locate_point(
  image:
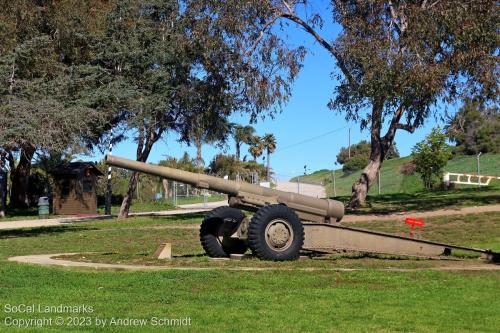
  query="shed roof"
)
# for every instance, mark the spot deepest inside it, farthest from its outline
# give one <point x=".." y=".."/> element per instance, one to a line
<point x="76" y="168"/>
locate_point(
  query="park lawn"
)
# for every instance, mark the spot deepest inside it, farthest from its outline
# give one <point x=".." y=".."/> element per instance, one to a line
<point x="283" y="297"/>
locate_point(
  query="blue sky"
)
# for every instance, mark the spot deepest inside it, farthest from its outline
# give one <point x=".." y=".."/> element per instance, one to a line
<point x="305" y="118"/>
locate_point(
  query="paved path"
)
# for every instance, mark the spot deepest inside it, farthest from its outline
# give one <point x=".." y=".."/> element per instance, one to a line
<point x="184" y="209"/>
<point x="48" y="260"/>
<point x="317" y="191"/>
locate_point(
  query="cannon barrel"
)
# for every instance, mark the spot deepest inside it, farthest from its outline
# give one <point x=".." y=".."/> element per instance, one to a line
<point x="240" y="193"/>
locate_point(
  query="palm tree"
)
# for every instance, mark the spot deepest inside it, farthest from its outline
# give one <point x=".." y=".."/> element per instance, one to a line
<point x="242" y="134"/>
<point x="269" y="142"/>
<point x="256" y="148"/>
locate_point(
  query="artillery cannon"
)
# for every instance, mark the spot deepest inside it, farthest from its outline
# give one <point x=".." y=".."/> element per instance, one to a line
<point x="284" y="222"/>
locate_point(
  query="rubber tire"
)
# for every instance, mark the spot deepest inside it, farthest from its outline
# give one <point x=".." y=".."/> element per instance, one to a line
<point x="257" y="229"/>
<point x="209" y="233"/>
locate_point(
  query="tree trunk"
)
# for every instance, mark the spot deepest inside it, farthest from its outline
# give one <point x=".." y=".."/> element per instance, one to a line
<point x="199" y="159"/>
<point x="362" y="185"/>
<point x="238" y="147"/>
<point x="145" y="142"/>
<point x="20" y="179"/>
<point x="267" y="167"/>
<point x="3" y="192"/>
<point x="127" y="200"/>
<point x="164" y="183"/>
<point x="379" y="148"/>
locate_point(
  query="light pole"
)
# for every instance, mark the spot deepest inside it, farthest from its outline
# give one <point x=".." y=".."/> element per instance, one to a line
<point x="334" y="180"/>
<point x="478" y="170"/>
<point x="109" y="189"/>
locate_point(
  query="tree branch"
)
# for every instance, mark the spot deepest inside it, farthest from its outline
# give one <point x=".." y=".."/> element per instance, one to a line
<point x="394" y="17"/>
<point x="290" y="10"/>
<point x="394" y="125"/>
<point x="406" y="127"/>
<point x="325" y="44"/>
<point x="261" y="33"/>
<point x="11" y="79"/>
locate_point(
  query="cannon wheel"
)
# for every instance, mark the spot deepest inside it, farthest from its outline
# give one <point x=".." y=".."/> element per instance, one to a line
<point x="276" y="233"/>
<point x="216" y="230"/>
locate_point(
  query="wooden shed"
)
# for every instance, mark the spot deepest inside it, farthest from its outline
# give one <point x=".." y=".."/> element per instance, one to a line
<point x="75" y="188"/>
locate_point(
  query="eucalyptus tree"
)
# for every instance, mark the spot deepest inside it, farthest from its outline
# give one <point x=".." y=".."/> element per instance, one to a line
<point x="397" y="61"/>
<point x="177" y="70"/>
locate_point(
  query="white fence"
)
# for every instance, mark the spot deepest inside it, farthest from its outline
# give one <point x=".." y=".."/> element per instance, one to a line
<point x="467" y="179"/>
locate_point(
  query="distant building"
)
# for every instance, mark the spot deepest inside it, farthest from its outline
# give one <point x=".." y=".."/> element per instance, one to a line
<point x="75" y="188"/>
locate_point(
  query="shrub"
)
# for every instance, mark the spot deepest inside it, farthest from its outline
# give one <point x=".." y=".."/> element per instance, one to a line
<point x="430" y="157"/>
<point x="408" y="168"/>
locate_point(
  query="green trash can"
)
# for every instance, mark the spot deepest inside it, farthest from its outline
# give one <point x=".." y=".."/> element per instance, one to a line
<point x="43" y="207"/>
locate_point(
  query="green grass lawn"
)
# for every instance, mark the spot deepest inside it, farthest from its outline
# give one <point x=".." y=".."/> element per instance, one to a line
<point x="283" y="298"/>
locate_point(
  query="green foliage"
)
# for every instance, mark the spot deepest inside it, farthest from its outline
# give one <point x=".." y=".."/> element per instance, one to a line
<point x="242" y="134"/>
<point x="44" y="80"/>
<point x="360" y="155"/>
<point x="475" y="128"/>
<point x="356" y="162"/>
<point x="256" y="148"/>
<point x="430" y="157"/>
<point x="228" y="165"/>
<point x="185" y="163"/>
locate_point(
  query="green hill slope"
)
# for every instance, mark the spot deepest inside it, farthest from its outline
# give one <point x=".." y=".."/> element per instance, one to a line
<point x="392" y="181"/>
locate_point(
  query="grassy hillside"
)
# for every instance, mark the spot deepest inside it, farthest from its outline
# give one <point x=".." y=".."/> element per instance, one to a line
<point x="392" y="181"/>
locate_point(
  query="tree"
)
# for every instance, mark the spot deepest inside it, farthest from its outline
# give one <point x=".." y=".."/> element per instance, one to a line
<point x="269" y="142"/>
<point x="44" y="82"/>
<point x="172" y="60"/>
<point x="242" y="134"/>
<point x="141" y="50"/>
<point x="396" y="59"/>
<point x="430" y="157"/>
<point x="256" y="148"/>
<point x="475" y="129"/>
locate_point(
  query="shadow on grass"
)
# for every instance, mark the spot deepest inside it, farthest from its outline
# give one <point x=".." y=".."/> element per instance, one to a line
<point x="424" y="201"/>
<point x="24" y="212"/>
<point x="182" y="217"/>
<point x="41" y="231"/>
<point x="199" y="255"/>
